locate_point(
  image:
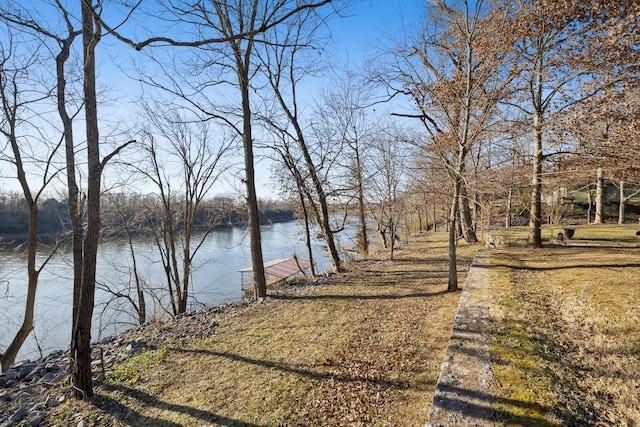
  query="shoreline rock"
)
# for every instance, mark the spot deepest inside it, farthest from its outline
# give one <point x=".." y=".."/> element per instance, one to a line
<point x="30" y="387"/>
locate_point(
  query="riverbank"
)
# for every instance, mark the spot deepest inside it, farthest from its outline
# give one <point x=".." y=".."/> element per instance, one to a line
<point x="54" y="227"/>
<point x="358" y="348"/>
<point x="215" y="281"/>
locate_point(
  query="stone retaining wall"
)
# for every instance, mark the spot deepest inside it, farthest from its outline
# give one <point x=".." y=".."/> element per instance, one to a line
<point x="463" y="396"/>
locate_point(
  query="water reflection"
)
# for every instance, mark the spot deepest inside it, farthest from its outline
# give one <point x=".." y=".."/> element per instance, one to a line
<point x="215" y="280"/>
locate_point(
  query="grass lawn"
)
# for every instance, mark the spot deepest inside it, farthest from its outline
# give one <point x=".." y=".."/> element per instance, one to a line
<point x="565" y="330"/>
<point x="363" y="348"/>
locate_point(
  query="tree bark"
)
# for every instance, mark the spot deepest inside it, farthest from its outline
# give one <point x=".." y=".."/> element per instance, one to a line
<point x="8" y="357"/>
<point x="307" y="228"/>
<point x="590" y="201"/>
<point x="453" y="218"/>
<point x="81" y="341"/>
<point x="507" y="222"/>
<point x="363" y="238"/>
<point x="466" y="219"/>
<point x="622" y="205"/>
<point x="599" y="195"/>
<point x="535" y="219"/>
<point x="73" y="203"/>
<point x="257" y="261"/>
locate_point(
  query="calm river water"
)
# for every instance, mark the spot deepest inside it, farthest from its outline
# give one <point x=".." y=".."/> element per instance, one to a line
<point x="215" y="280"/>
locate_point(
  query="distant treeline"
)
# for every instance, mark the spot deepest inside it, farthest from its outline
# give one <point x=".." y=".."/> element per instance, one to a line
<point x="137" y="214"/>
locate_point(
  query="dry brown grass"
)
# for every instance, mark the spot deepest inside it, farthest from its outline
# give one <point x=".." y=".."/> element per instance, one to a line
<point x="364" y="348"/>
<point x="565" y="335"/>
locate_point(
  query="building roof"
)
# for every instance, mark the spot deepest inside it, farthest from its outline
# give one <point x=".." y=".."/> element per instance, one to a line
<point x="283" y="267"/>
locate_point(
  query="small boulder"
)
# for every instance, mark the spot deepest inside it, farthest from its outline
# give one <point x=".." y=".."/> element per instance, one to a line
<point x="18" y="415"/>
<point x="36" y="418"/>
<point x="10" y="375"/>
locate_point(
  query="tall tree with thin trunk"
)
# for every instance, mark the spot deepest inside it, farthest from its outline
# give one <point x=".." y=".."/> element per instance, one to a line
<point x="281" y="65"/>
<point x="81" y="340"/>
<point x="80" y="365"/>
<point x="457" y="69"/>
<point x="183" y="162"/>
<point x="344" y="109"/>
<point x="387" y="194"/>
<point x="299" y="191"/>
<point x="16" y="103"/>
<point x="550" y="41"/>
<point x="227" y="34"/>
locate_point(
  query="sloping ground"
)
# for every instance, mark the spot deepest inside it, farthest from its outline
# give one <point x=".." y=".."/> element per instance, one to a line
<point x="565" y="336"/>
<point x="360" y="348"/>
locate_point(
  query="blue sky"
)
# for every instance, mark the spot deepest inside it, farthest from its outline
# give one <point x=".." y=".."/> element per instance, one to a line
<point x="366" y="28"/>
<point x="372" y="22"/>
<point x="369" y="24"/>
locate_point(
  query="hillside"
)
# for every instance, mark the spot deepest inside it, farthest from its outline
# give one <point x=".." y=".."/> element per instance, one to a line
<point x="365" y="347"/>
<point x="362" y="347"/>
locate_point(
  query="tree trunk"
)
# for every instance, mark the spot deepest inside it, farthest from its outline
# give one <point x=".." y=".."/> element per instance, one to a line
<point x="257" y="261"/>
<point x="382" y="232"/>
<point x="307" y="229"/>
<point x="9" y="356"/>
<point x="590" y="201"/>
<point x="466" y="220"/>
<point x="81" y="342"/>
<point x="623" y="204"/>
<point x="324" y="219"/>
<point x="363" y="238"/>
<point x="507" y="222"/>
<point x="599" y="194"/>
<point x="393" y="241"/>
<point x="435" y="221"/>
<point x="72" y="186"/>
<point x="141" y="307"/>
<point x="453" y="219"/>
<point x="186" y="274"/>
<point x="535" y="219"/>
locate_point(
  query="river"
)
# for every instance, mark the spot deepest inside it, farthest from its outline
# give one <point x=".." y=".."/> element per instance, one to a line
<point x="215" y="280"/>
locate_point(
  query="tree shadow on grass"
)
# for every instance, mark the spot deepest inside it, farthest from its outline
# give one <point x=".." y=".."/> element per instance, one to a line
<point x="314" y="375"/>
<point x="564" y="267"/>
<point x="359" y="297"/>
<point x="480" y="406"/>
<point x="134" y="418"/>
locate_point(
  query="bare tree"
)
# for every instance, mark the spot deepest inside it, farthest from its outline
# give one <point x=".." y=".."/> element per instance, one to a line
<point x="551" y="41"/>
<point x="18" y="102"/>
<point x="299" y="192"/>
<point x="184" y="162"/>
<point x="456" y="70"/>
<point x="80" y="365"/>
<point x="345" y="109"/>
<point x="227" y="35"/>
<point x="281" y="65"/>
<point x="387" y="195"/>
<point x="133" y="293"/>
